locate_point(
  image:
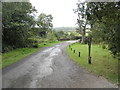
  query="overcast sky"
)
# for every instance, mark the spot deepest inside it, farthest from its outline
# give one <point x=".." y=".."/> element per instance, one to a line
<point x="61" y="10"/>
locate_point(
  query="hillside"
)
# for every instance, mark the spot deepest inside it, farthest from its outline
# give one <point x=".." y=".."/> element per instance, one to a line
<point x="65" y="29"/>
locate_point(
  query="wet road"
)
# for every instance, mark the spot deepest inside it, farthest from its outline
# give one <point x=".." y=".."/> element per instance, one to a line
<point x="50" y="68"/>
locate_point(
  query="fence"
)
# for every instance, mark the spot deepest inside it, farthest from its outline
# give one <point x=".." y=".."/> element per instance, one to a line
<point x="74" y="51"/>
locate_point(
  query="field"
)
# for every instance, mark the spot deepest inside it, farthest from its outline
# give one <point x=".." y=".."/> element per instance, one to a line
<point x="103" y="63"/>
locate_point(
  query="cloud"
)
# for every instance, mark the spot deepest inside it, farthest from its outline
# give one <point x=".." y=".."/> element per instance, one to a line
<point x="61" y="10"/>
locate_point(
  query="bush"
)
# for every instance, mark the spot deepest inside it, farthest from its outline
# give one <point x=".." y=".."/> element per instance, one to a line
<point x="44" y="44"/>
<point x="103" y="46"/>
<point x="35" y="45"/>
<point x="6" y="48"/>
<point x="51" y="37"/>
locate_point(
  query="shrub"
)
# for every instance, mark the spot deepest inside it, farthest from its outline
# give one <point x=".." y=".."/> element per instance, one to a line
<point x="35" y="45"/>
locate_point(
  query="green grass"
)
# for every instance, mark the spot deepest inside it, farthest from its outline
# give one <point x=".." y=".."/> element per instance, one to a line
<point x="48" y="43"/>
<point x="103" y="64"/>
<point x="18" y="54"/>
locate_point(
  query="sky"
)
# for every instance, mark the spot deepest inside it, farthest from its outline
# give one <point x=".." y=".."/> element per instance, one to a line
<point x="61" y="10"/>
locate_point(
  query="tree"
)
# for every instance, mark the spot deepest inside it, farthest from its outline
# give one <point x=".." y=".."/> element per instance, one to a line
<point x="59" y="34"/>
<point x="82" y="19"/>
<point x="45" y="24"/>
<point x="108" y="14"/>
<point x="17" y="23"/>
<point x="51" y="36"/>
<point x="97" y="33"/>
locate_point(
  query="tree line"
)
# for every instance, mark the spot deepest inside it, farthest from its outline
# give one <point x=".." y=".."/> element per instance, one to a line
<point x="21" y="28"/>
<point x="19" y="25"/>
<point x="104" y="20"/>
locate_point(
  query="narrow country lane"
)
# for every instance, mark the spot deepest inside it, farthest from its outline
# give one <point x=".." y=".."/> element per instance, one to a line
<point x="50" y="68"/>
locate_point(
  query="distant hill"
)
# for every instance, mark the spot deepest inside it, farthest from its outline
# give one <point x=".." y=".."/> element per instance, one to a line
<point x="65" y="29"/>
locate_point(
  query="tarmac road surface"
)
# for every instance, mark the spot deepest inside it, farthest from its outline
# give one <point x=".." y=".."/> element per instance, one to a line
<point x="50" y="68"/>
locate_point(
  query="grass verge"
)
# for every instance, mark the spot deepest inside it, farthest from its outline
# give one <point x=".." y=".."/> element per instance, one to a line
<point x="16" y="55"/>
<point x="48" y="43"/>
<point x="11" y="57"/>
<point x="103" y="64"/>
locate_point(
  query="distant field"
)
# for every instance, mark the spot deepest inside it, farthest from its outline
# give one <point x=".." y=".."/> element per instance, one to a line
<point x="103" y="64"/>
<point x="65" y="29"/>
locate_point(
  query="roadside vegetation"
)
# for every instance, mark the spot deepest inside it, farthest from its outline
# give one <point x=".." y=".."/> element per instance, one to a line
<point x="18" y="54"/>
<point x="103" y="62"/>
<point x="11" y="57"/>
<point x="23" y="33"/>
<point x="103" y="21"/>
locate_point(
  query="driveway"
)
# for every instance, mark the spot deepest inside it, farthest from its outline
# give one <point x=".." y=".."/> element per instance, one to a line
<point x="50" y="68"/>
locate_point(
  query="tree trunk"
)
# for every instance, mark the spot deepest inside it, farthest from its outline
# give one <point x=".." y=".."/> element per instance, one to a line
<point x="83" y="37"/>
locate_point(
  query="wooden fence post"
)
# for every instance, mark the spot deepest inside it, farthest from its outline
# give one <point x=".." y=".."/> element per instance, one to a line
<point x="79" y="54"/>
<point x="89" y="50"/>
<point x="74" y="51"/>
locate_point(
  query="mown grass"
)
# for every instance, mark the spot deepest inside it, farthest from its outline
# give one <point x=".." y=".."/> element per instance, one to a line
<point x="103" y="64"/>
<point x="48" y="43"/>
<point x="16" y="55"/>
<point x="11" y="57"/>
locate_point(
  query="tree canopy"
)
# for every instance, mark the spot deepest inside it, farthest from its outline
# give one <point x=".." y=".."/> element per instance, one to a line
<point x="104" y="18"/>
<point x="17" y="23"/>
<point x="45" y="23"/>
<point x="82" y="19"/>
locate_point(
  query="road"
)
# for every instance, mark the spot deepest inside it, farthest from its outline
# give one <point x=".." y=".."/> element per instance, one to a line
<point x="50" y="68"/>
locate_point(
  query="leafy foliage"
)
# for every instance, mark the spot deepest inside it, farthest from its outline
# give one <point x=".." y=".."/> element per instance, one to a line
<point x="45" y="23"/>
<point x="17" y="23"/>
<point x="81" y="21"/>
<point x="51" y="36"/>
<point x="106" y="14"/>
<point x="62" y="35"/>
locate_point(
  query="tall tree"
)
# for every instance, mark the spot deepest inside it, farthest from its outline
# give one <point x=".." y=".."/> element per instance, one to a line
<point x="107" y="14"/>
<point x="45" y="23"/>
<point x="82" y="19"/>
<point x="17" y="23"/>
